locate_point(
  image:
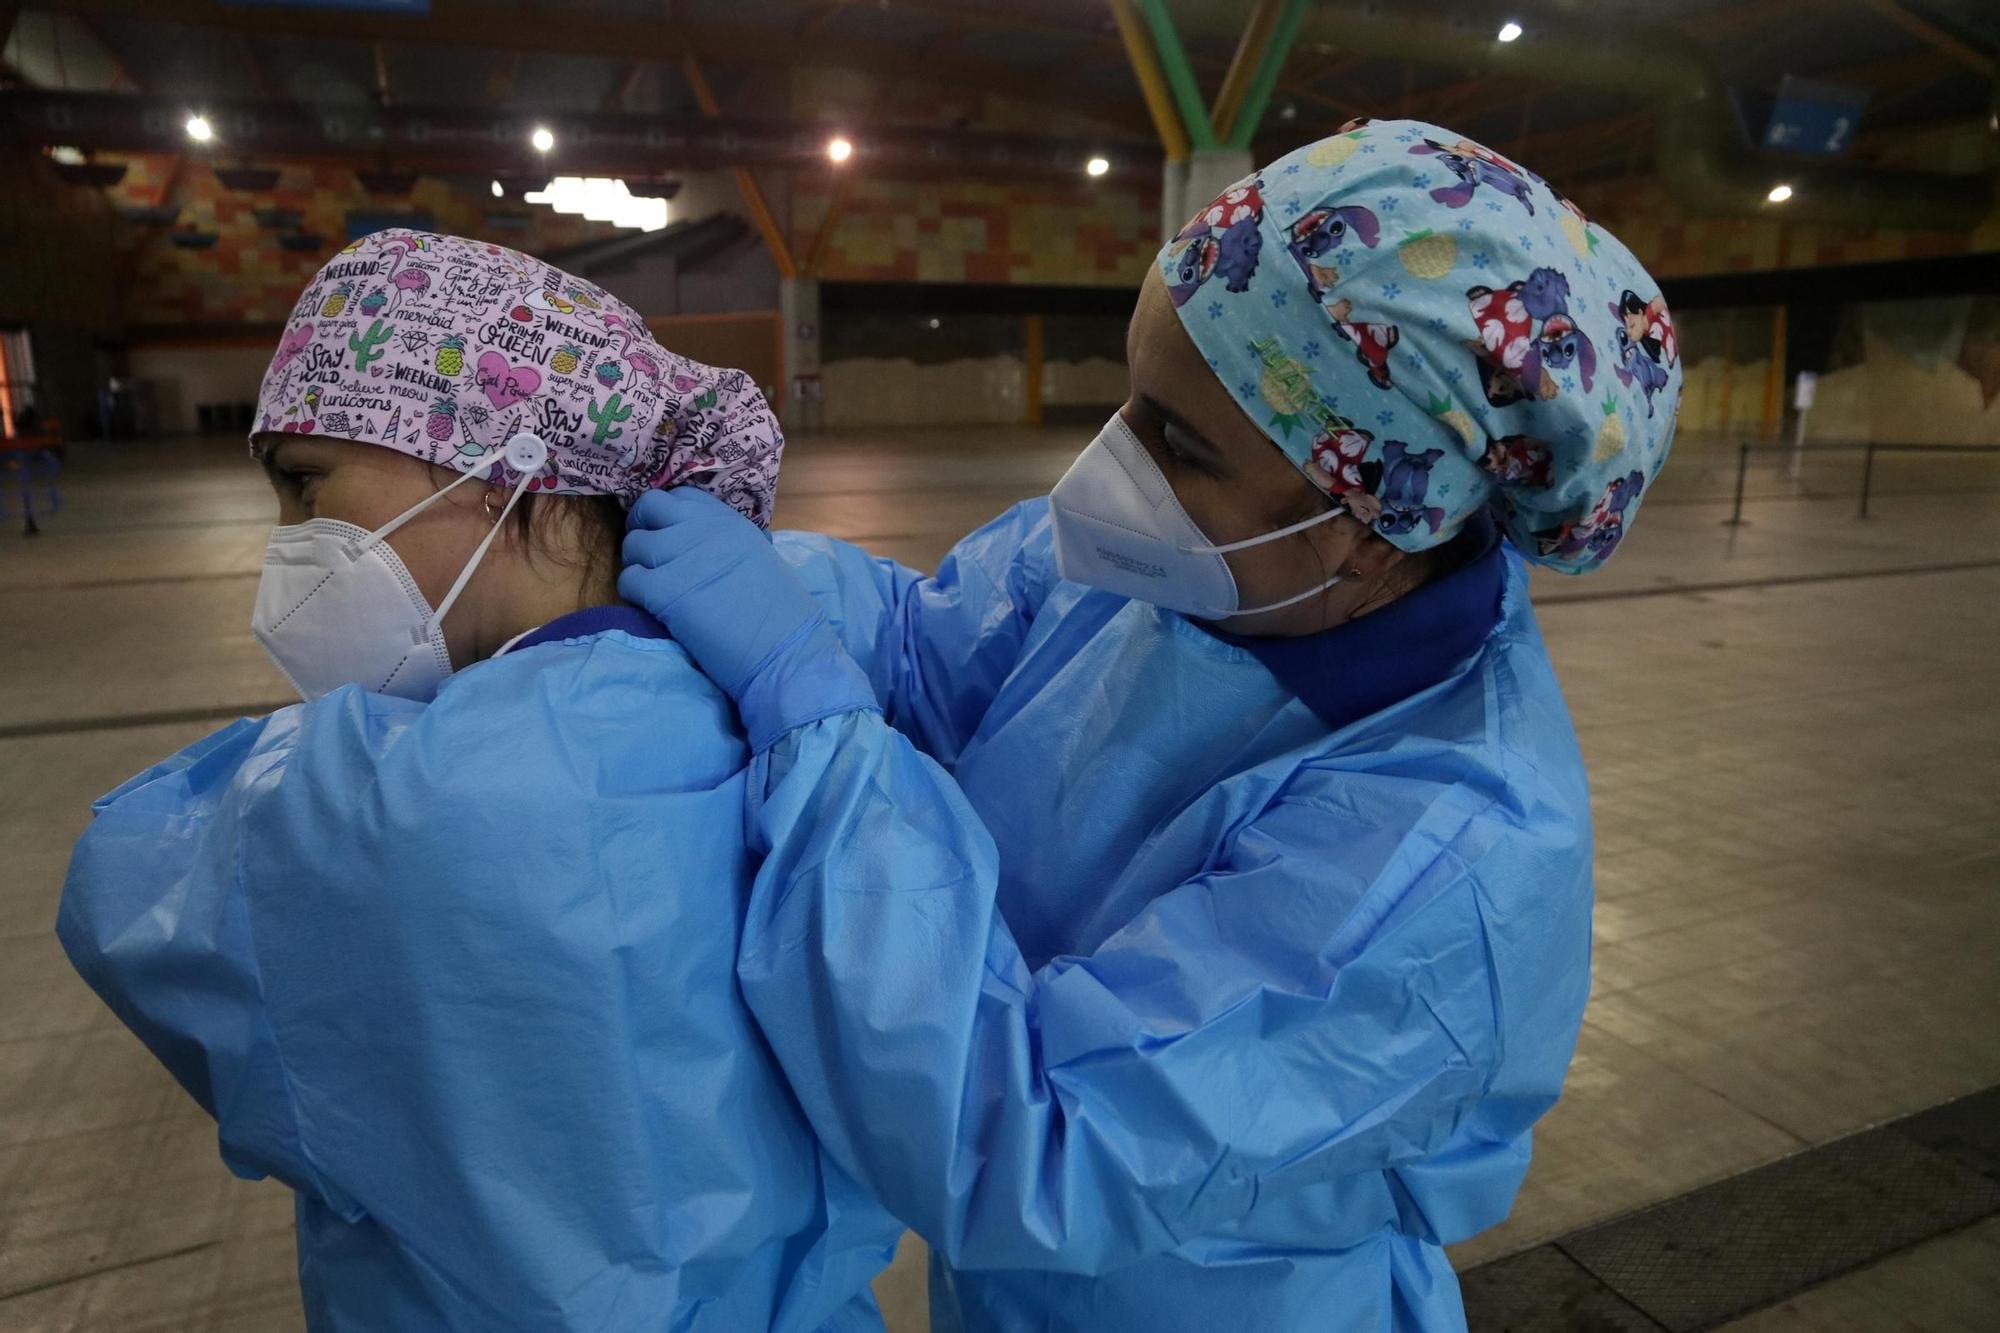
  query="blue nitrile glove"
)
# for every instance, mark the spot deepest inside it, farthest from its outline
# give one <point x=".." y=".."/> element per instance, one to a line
<point x="712" y="578"/>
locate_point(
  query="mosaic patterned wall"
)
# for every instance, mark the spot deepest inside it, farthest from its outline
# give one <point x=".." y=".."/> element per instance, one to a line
<point x="889" y="229"/>
<point x="906" y="231"/>
<point x="246" y="278"/>
<point x="1029" y="230"/>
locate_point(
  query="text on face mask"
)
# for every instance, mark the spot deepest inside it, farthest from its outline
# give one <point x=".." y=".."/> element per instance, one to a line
<point x="1145" y="569"/>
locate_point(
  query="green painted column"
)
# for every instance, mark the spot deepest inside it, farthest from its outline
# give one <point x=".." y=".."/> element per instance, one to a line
<point x="1180" y="75"/>
<point x="1269" y="67"/>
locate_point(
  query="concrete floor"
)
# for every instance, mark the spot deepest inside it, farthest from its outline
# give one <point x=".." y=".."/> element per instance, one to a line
<point x="1793" y="749"/>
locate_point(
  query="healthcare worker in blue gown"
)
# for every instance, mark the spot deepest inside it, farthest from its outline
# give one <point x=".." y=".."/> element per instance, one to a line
<point x="1210" y="964"/>
<point x="450" y="947"/>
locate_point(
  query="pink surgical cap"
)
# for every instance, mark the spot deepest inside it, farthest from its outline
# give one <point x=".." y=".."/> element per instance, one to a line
<point x="443" y="348"/>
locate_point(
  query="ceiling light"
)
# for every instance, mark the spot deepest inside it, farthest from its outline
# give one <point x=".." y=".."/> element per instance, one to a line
<point x="1510" y="31"/>
<point x="1779" y="193"/>
<point x="67" y="155"/>
<point x="839" y="149"/>
<point x="1097" y="166"/>
<point x="542" y="139"/>
<point x="498" y="193"/>
<point x="199" y="130"/>
<point x="601" y="200"/>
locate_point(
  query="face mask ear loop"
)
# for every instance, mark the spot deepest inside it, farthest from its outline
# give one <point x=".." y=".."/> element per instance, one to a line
<point x="479" y="469"/>
<point x="1289" y="601"/>
<point x="1300" y="526"/>
<point x="465" y="575"/>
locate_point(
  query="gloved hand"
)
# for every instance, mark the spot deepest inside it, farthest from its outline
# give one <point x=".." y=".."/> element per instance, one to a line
<point x="724" y="593"/>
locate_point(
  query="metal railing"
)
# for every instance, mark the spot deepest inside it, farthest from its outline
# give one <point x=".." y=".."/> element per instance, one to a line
<point x="1867" y="450"/>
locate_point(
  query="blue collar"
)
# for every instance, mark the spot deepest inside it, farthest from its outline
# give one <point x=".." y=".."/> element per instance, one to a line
<point x="1350" y="671"/>
<point x="594" y="620"/>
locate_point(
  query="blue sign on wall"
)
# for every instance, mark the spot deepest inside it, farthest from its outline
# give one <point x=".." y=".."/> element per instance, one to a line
<point x="421" y="8"/>
<point x="1813" y="117"/>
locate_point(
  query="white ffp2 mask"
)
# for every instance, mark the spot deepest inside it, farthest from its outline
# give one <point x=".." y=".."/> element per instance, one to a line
<point x="337" y="606"/>
<point x="1119" y="526"/>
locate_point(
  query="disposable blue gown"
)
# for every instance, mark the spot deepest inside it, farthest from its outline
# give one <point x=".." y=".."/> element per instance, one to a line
<point x="462" y="975"/>
<point x="1261" y="1010"/>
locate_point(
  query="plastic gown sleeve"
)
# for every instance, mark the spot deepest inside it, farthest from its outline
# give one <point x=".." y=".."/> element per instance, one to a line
<point x="936" y="649"/>
<point x="1274" y="1023"/>
<point x="156" y="919"/>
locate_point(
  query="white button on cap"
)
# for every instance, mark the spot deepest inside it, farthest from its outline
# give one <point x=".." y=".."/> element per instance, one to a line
<point x="526" y="452"/>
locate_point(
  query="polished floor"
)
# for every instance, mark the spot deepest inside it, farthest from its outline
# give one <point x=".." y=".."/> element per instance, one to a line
<point x="1794" y="745"/>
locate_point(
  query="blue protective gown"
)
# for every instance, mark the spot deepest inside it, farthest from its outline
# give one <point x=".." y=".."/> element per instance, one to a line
<point x="1178" y="1007"/>
<point x="461" y="974"/>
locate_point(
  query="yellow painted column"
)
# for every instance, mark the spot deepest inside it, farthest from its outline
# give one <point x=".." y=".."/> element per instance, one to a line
<point x="1031" y="370"/>
<point x="1774" y="377"/>
<point x="1725" y="420"/>
<point x="1152" y="83"/>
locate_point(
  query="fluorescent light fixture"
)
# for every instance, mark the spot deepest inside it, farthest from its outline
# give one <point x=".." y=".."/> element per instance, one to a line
<point x="1097" y="166"/>
<point x="542" y="139"/>
<point x="839" y="149"/>
<point x="199" y="130"/>
<point x="601" y="199"/>
<point x="1779" y="193"/>
<point x="1510" y="31"/>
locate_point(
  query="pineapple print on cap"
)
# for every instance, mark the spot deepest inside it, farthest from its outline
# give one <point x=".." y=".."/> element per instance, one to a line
<point x="1287" y="390"/>
<point x="1576" y="229"/>
<point x="1428" y="254"/>
<point x="1457" y="419"/>
<point x="1332" y="152"/>
<point x="1610" y="433"/>
<point x="443" y="417"/>
<point x="565" y="359"/>
<point x="450" y="358"/>
<point x="336" y="300"/>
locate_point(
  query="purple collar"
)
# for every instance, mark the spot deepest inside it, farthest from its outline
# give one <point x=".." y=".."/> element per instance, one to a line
<point x="1350" y="671"/>
<point x="594" y="620"/>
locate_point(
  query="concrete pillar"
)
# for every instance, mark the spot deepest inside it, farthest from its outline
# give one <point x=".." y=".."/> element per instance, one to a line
<point x="1173" y="190"/>
<point x="798" y="339"/>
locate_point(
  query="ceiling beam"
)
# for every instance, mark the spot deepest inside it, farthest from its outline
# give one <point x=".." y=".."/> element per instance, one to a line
<point x="621" y="93"/>
<point x="1733" y="22"/>
<point x="472" y="137"/>
<point x="1897" y="72"/>
<point x="541" y="28"/>
<point x="254" y="69"/>
<point x="746" y="181"/>
<point x="1925" y="31"/>
<point x="119" y="65"/>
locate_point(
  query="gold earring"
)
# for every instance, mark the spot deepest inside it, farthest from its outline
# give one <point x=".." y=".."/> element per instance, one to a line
<point x="491" y="517"/>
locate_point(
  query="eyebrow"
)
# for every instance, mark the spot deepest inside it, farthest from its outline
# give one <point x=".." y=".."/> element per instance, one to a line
<point x="1211" y="454"/>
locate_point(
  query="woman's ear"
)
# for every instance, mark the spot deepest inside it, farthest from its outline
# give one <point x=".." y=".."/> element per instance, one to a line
<point x="1373" y="556"/>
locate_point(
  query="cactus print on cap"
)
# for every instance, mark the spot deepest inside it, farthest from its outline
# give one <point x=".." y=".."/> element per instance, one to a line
<point x="1425" y="329"/>
<point x="441" y="348"/>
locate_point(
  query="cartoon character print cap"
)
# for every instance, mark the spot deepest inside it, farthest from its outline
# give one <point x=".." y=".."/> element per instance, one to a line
<point x="1426" y="328"/>
<point x="442" y="348"/>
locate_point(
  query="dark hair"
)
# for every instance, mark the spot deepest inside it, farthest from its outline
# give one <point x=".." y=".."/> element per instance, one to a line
<point x="596" y="522"/>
